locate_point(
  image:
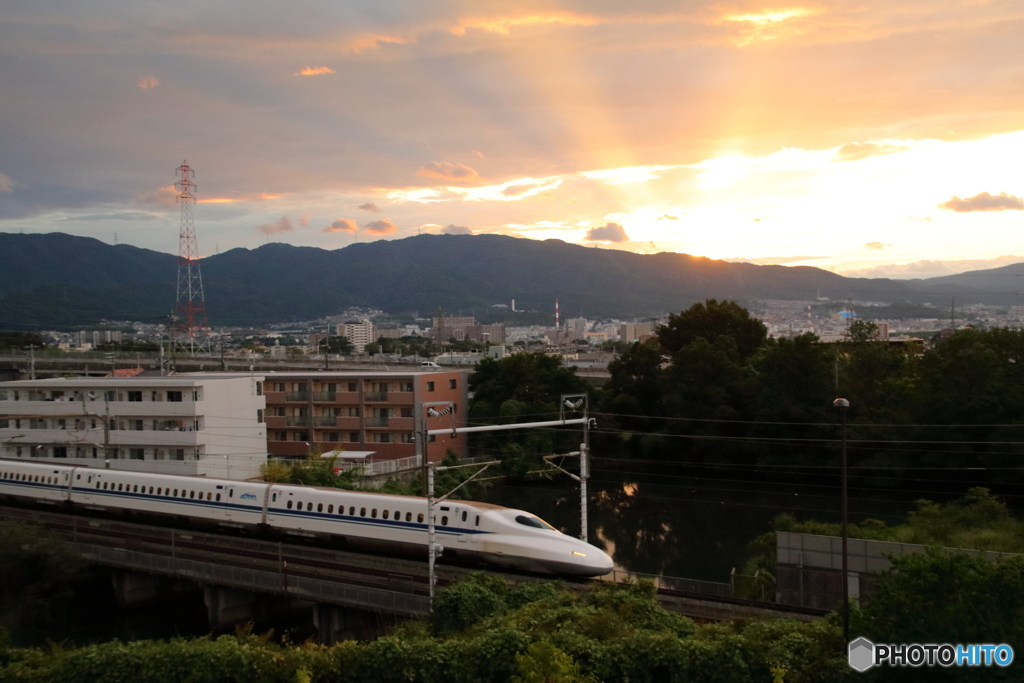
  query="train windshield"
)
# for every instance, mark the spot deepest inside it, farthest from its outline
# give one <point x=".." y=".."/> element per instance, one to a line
<point x="535" y="522"/>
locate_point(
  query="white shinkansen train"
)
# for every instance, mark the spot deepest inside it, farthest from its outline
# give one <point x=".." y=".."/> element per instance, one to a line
<point x="475" y="531"/>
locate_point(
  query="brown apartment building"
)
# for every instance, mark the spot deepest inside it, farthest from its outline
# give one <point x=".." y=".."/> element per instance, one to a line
<point x="362" y="411"/>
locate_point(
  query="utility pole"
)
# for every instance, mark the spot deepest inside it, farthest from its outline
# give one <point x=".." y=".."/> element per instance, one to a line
<point x="575" y="402"/>
<point x="843" y="404"/>
<point x="31" y="361"/>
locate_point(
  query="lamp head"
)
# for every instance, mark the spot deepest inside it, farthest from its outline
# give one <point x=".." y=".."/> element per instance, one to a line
<point x="840" y="403"/>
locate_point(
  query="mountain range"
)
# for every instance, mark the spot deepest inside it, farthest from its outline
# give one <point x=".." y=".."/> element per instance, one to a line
<point x="57" y="281"/>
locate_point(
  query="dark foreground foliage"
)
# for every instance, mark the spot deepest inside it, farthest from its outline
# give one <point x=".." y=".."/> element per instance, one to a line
<point x="482" y="631"/>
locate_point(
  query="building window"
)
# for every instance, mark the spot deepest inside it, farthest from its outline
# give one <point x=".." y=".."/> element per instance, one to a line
<point x="282" y="436"/>
<point x="60" y="452"/>
<point x="174" y="396"/>
<point x="382" y="438"/>
<point x="279" y="386"/>
<point x="196" y="396"/>
<point x="259" y="388"/>
<point x="137" y="425"/>
<point x="279" y="411"/>
<point x="332" y="437"/>
<point x="406" y="412"/>
<point x="353" y="437"/>
<point x="451" y="384"/>
<point x="353" y="386"/>
<point x="430" y="386"/>
<point x="407" y="437"/>
<point x="135" y="397"/>
<point x="179" y="454"/>
<point x="406" y="386"/>
<point x="259" y="415"/>
<point x="137" y="453"/>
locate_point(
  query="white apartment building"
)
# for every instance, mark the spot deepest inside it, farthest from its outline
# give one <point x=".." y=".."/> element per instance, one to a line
<point x="358" y="333"/>
<point x="190" y="424"/>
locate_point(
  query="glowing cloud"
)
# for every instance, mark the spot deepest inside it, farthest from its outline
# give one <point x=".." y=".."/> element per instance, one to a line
<point x="314" y="71"/>
<point x="611" y="232"/>
<point x="5" y="183"/>
<point x="630" y="174"/>
<point x="456" y="230"/>
<point x="341" y="225"/>
<point x="369" y="206"/>
<point x="984" y="202"/>
<point x="449" y="171"/>
<point x="277" y="227"/>
<point x="381" y="227"/>
<point x="148" y="82"/>
<point x="877" y="245"/>
<point x="852" y="151"/>
<point x="771" y="16"/>
<point x="217" y="200"/>
<point x="504" y="25"/>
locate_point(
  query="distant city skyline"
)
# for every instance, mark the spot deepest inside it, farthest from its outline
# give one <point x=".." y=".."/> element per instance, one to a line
<point x="881" y="139"/>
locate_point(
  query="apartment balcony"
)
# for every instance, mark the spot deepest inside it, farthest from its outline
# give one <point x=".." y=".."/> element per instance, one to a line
<point x="377" y="422"/>
<point x="297" y="396"/>
<point x="328" y="421"/>
<point x="375" y="397"/>
<point x="302" y="421"/>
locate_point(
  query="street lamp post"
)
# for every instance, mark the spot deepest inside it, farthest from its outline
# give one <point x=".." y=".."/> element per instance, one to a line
<point x="843" y="404"/>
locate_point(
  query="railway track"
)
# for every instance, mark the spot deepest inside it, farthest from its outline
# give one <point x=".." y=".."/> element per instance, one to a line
<point x="293" y="566"/>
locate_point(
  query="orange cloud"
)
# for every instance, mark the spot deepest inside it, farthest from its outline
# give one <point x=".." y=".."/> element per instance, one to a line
<point x="449" y="171"/>
<point x="217" y="200"/>
<point x="5" y="183"/>
<point x="381" y="227"/>
<point x="148" y="82"/>
<point x="165" y="196"/>
<point x="314" y="71"/>
<point x="341" y="225"/>
<point x="985" y="202"/>
<point x="504" y="25"/>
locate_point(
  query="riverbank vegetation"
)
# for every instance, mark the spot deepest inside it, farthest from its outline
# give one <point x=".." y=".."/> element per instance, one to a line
<point x="482" y="630"/>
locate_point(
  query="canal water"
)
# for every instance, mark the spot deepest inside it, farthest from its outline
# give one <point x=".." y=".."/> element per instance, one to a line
<point x="698" y="523"/>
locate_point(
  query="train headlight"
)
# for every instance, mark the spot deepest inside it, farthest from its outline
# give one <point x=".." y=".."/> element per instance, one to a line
<point x="580" y="554"/>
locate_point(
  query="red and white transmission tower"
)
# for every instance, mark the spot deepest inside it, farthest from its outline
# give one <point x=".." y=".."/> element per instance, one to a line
<point x="191" y="330"/>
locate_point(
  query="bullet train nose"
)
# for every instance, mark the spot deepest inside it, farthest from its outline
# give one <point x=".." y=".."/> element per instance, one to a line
<point x="588" y="560"/>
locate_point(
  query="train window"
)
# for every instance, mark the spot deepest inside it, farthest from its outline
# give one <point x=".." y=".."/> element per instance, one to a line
<point x="330" y="509"/>
<point x="160" y="491"/>
<point x="175" y="493"/>
<point x="209" y="495"/>
<point x="289" y="505"/>
<point x="535" y="522"/>
<point x="385" y="514"/>
<point x="218" y="497"/>
<point x="135" y="489"/>
<point x="398" y="515"/>
<point x="464" y="515"/>
<point x="79" y="477"/>
<point x="444" y="521"/>
<point x="309" y="507"/>
<point x="362" y="512"/>
<point x="477" y="520"/>
<point x="419" y="518"/>
<point x="373" y="513"/>
<point x="192" y="494"/>
<point x="151" y="490"/>
<point x="408" y="516"/>
<point x="231" y="493"/>
<point x="273" y="498"/>
<point x="319" y="507"/>
<point x="120" y="487"/>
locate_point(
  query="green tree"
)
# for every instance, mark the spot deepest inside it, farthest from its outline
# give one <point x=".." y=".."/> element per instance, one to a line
<point x="711" y="320"/>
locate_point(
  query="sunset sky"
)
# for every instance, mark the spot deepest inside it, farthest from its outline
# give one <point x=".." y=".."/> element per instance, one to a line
<point x="876" y="138"/>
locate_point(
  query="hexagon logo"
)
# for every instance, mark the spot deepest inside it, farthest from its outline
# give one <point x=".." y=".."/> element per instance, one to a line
<point x="862" y="654"/>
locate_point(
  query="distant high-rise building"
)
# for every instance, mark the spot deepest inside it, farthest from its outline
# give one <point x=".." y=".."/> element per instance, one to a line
<point x="631" y="332"/>
<point x="359" y="334"/>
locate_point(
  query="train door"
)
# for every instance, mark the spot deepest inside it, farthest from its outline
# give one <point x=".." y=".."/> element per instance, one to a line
<point x="90" y="482"/>
<point x="464" y="519"/>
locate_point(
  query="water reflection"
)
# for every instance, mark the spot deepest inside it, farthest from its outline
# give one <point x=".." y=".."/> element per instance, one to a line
<point x="676" y="523"/>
